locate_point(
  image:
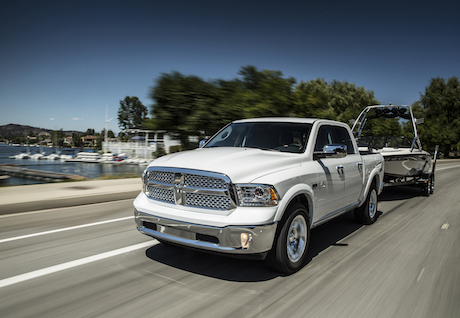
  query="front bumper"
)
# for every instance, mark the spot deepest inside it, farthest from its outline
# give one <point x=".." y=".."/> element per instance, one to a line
<point x="239" y="240"/>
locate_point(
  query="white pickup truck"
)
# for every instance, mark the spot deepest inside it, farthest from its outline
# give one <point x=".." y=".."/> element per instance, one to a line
<point x="257" y="187"/>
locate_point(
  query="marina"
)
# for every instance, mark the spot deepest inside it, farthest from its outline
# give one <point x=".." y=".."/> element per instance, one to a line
<point x="34" y="165"/>
<point x="19" y="171"/>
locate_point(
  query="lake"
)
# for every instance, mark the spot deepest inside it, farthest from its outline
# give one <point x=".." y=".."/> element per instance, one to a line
<point x="88" y="170"/>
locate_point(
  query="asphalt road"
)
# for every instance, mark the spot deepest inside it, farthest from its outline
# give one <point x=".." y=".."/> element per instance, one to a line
<point x="90" y="261"/>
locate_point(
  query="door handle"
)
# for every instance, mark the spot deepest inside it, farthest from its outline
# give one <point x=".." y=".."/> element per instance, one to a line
<point x="340" y="169"/>
<point x="360" y="166"/>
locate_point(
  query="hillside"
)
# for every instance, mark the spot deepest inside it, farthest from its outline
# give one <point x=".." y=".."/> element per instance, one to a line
<point x="21" y="130"/>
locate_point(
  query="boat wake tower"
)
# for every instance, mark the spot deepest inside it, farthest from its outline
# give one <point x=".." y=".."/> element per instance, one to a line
<point x="392" y="131"/>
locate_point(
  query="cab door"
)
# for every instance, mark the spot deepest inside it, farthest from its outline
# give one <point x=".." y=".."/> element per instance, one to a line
<point x="330" y="186"/>
<point x="352" y="166"/>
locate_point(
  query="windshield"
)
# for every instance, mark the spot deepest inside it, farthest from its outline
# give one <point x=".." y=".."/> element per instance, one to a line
<point x="284" y="137"/>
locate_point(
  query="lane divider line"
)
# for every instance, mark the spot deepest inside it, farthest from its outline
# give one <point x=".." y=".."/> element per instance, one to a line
<point x="63" y="229"/>
<point x="57" y="268"/>
<point x="438" y="168"/>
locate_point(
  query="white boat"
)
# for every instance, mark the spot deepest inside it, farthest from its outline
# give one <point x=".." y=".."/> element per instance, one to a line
<point x="53" y="156"/>
<point x="106" y="157"/>
<point x="3" y="177"/>
<point x="65" y="157"/>
<point x="137" y="161"/>
<point x="405" y="160"/>
<point x="37" y="156"/>
<point x="21" y="156"/>
<point x="85" y="157"/>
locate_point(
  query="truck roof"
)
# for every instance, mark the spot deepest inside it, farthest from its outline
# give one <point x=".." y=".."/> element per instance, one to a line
<point x="279" y="119"/>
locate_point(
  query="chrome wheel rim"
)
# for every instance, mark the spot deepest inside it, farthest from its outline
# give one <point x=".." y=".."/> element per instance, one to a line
<point x="372" y="204"/>
<point x="431" y="186"/>
<point x="297" y="238"/>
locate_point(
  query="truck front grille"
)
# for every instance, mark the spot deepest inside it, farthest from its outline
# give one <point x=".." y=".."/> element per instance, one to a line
<point x="186" y="187"/>
<point x="159" y="194"/>
<point x="208" y="201"/>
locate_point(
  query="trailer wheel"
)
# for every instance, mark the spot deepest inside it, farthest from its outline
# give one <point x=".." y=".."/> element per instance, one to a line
<point x="367" y="212"/>
<point x="431" y="184"/>
<point x="428" y="188"/>
<point x="291" y="244"/>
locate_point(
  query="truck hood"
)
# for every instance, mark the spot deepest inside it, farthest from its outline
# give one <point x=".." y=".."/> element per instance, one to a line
<point x="242" y="165"/>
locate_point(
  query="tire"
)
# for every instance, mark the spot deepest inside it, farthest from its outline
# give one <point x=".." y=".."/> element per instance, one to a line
<point x="428" y="188"/>
<point x="431" y="184"/>
<point x="367" y="212"/>
<point x="291" y="244"/>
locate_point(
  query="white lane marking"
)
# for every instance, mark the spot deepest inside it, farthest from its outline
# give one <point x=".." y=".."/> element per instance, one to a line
<point x="420" y="276"/>
<point x="57" y="268"/>
<point x="168" y="278"/>
<point x="63" y="229"/>
<point x="445" y="168"/>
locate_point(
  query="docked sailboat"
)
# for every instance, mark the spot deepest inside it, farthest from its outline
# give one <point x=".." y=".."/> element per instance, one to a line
<point x="392" y="131"/>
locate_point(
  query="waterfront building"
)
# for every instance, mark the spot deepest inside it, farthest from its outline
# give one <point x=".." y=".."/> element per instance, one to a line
<point x="144" y="144"/>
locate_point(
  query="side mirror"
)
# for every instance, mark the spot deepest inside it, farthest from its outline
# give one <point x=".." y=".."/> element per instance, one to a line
<point x="331" y="151"/>
<point x="203" y="142"/>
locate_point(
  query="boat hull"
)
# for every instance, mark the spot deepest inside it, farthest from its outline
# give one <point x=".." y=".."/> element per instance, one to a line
<point x="401" y="164"/>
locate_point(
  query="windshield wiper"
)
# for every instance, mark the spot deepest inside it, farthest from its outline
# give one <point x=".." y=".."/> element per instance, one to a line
<point x="261" y="148"/>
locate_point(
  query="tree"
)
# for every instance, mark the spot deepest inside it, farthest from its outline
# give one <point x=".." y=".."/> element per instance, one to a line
<point x="123" y="136"/>
<point x="340" y="101"/>
<point x="312" y="99"/>
<point x="57" y="138"/>
<point x="99" y="140"/>
<point x="348" y="100"/>
<point x="131" y="113"/>
<point x="190" y="106"/>
<point x="76" y="140"/>
<point x="183" y="105"/>
<point x="89" y="132"/>
<point x="440" y="106"/>
<point x="266" y="93"/>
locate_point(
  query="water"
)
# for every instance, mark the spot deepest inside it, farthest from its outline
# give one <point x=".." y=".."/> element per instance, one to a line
<point x="88" y="170"/>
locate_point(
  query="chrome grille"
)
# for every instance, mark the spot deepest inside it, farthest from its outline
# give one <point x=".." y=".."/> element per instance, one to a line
<point x="204" y="182"/>
<point x="208" y="201"/>
<point x="159" y="194"/>
<point x="160" y="177"/>
<point x="187" y="187"/>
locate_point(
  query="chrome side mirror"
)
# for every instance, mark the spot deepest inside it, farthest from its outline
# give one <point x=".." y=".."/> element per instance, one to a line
<point x="331" y="151"/>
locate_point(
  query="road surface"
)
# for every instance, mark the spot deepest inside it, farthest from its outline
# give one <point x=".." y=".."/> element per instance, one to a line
<point x="90" y="261"/>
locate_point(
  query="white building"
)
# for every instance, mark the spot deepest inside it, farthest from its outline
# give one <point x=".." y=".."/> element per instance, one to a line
<point x="143" y="145"/>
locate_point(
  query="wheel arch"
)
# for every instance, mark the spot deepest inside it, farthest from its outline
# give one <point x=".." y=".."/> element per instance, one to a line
<point x="298" y="194"/>
<point x="374" y="179"/>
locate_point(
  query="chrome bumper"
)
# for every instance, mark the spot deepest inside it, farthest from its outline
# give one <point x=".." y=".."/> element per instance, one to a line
<point x="240" y="240"/>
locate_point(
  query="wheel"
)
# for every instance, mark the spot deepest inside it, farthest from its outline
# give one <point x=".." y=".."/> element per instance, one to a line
<point x="431" y="184"/>
<point x="291" y="244"/>
<point x="428" y="188"/>
<point x="367" y="212"/>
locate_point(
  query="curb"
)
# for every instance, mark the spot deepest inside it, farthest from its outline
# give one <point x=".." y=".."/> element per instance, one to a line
<point x="65" y="202"/>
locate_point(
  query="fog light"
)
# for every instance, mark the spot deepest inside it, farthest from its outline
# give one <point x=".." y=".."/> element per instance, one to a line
<point x="246" y="239"/>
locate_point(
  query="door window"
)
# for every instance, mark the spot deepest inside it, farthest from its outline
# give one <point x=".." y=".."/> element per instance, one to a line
<point x="324" y="138"/>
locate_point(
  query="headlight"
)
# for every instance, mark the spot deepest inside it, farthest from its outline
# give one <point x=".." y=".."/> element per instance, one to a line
<point x="256" y="195"/>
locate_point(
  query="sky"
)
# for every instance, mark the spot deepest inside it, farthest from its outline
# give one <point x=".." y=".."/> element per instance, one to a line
<point x="68" y="64"/>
